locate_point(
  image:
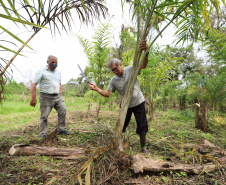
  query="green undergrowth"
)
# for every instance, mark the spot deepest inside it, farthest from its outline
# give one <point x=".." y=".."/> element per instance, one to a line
<point x="87" y="131"/>
<point x="169" y="126"/>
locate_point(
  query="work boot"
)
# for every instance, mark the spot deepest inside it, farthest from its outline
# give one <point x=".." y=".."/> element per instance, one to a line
<point x="63" y="132"/>
<point x="43" y="136"/>
<point x="143" y="144"/>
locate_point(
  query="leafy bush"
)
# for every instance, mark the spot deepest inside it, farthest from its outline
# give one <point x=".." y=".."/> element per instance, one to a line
<point x="188" y="114"/>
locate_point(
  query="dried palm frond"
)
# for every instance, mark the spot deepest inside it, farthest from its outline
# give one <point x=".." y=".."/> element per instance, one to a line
<point x="87" y="165"/>
<point x="104" y="166"/>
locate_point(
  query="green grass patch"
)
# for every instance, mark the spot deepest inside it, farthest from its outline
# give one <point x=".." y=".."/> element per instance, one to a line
<point x="19" y="125"/>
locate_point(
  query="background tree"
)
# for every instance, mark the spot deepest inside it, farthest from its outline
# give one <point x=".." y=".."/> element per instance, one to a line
<point x="156" y="75"/>
<point x="151" y="11"/>
<point x="74" y="87"/>
<point x="214" y="37"/>
<point x="97" y="52"/>
<point x="189" y="64"/>
<point x="206" y="90"/>
<point x="128" y="43"/>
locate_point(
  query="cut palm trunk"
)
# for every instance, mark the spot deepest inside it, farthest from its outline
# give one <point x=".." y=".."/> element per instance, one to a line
<point x="75" y="153"/>
<point x="141" y="164"/>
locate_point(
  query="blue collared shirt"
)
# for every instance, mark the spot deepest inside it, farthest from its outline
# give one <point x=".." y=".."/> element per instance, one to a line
<point x="49" y="82"/>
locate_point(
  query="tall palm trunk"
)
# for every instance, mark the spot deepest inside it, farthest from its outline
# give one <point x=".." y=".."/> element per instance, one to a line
<point x="137" y="65"/>
<point x="201" y="118"/>
<point x="167" y="104"/>
<point x="124" y="107"/>
<point x="151" y="106"/>
<point x="182" y="102"/>
<point x="98" y="107"/>
<point x="198" y="118"/>
<point x="152" y="111"/>
<point x="204" y="115"/>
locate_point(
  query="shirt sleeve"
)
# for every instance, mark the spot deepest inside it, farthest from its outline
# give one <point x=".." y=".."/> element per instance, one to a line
<point x="111" y="86"/>
<point x="37" y="78"/>
<point x="60" y="76"/>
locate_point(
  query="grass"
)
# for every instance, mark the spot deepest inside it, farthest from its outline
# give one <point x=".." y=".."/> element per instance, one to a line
<point x="19" y="125"/>
<point x="17" y="114"/>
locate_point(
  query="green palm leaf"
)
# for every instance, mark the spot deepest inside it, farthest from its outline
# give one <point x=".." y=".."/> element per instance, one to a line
<point x="7" y="49"/>
<point x="14" y="36"/>
<point x="41" y="13"/>
<point x="20" y="21"/>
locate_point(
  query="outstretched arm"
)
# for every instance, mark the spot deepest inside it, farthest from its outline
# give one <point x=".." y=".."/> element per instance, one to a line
<point x="143" y="46"/>
<point x="100" y="91"/>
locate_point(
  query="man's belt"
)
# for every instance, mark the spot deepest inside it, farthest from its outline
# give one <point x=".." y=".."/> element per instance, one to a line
<point x="50" y="94"/>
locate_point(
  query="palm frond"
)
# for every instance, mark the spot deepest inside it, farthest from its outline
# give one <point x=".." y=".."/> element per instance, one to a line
<point x="88" y="163"/>
<point x="7" y="49"/>
<point x="20" y="21"/>
<point x="14" y="36"/>
<point x="86" y="46"/>
<point x="39" y="14"/>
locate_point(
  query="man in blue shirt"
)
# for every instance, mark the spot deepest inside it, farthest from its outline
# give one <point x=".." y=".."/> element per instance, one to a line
<point x="49" y="80"/>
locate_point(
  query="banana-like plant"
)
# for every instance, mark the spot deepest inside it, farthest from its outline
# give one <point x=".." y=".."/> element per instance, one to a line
<point x="154" y="12"/>
<point x="42" y="13"/>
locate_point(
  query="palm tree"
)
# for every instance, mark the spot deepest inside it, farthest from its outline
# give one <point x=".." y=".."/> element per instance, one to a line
<point x="152" y="11"/>
<point x="96" y="52"/>
<point x="42" y="13"/>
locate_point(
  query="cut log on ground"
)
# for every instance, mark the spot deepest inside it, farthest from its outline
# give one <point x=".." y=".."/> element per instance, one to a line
<point x="75" y="153"/>
<point x="205" y="148"/>
<point x="141" y="164"/>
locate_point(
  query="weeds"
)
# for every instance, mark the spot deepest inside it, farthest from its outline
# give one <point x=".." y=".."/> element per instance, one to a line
<point x="21" y="126"/>
<point x="191" y="157"/>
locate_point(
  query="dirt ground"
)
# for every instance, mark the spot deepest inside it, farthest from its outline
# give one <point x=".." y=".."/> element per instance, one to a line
<point x="94" y="136"/>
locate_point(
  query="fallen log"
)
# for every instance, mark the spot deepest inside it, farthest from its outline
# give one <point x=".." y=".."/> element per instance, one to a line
<point x="75" y="153"/>
<point x="140" y="164"/>
<point x="205" y="148"/>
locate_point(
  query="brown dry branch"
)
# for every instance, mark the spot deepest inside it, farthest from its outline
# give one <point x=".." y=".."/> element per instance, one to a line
<point x="160" y="140"/>
<point x="108" y="177"/>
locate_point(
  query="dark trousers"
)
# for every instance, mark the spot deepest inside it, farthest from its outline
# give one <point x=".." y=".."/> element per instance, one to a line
<point x="141" y="119"/>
